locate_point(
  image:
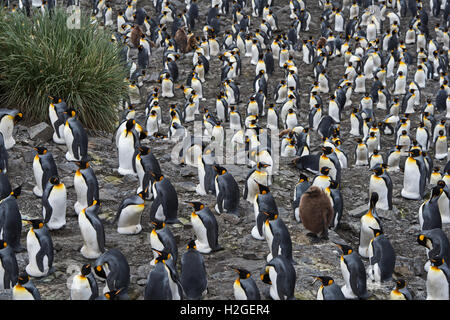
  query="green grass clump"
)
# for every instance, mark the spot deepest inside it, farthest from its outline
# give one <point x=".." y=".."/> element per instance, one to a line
<point x="41" y="56"/>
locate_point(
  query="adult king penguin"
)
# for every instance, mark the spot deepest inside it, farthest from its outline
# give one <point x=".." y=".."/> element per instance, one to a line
<point x="58" y="117"/>
<point x="86" y="186"/>
<point x="9" y="269"/>
<point x="205" y="227"/>
<point x="354" y="274"/>
<point x="165" y="200"/>
<point x="40" y="249"/>
<point x="328" y="289"/>
<point x="25" y="289"/>
<point x="227" y="192"/>
<point x="162" y="239"/>
<point x="129" y="214"/>
<point x="76" y="138"/>
<point x="381" y="257"/>
<point x="369" y="222"/>
<point x="54" y="204"/>
<point x="113" y="267"/>
<point x="84" y="286"/>
<point x="193" y="277"/>
<point x="244" y="287"/>
<point x="44" y="167"/>
<point x="414" y="178"/>
<point x="280" y="274"/>
<point x="92" y="232"/>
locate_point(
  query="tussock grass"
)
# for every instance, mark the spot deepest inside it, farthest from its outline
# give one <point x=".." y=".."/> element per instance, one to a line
<point x="40" y="56"/>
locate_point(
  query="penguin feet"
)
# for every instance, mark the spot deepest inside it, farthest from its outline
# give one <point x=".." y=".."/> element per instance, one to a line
<point x="58" y="140"/>
<point x="89" y="253"/>
<point x="313" y="238"/>
<point x="135" y="229"/>
<point x="124" y="172"/>
<point x="256" y="235"/>
<point x="37" y="191"/>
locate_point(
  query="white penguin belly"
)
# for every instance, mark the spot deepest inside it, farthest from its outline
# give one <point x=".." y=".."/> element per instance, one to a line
<point x="80" y="289"/>
<point x="130" y="219"/>
<point x="81" y="191"/>
<point x="155" y="244"/>
<point x="239" y="293"/>
<point x="378" y="185"/>
<point x="33" y="248"/>
<point x="200" y="231"/>
<point x="6" y="128"/>
<point x="90" y="249"/>
<point x="346" y="289"/>
<point x="2" y="275"/>
<point x="173" y="286"/>
<point x="58" y="202"/>
<point x="273" y="289"/>
<point x="269" y="238"/>
<point x="20" y="293"/>
<point x="68" y="137"/>
<point x="200" y="189"/>
<point x="366" y="234"/>
<point x="126" y="151"/>
<point x="411" y="180"/>
<point x="437" y="285"/>
<point x="38" y="172"/>
<point x="444" y="208"/>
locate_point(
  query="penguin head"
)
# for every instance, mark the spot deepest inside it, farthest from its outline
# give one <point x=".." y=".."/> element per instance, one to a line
<point x="143" y="150"/>
<point x="441" y="183"/>
<point x="113" y="294"/>
<point x="157" y="176"/>
<point x="82" y="164"/>
<point x="262" y="165"/>
<point x="35" y="223"/>
<point x="262" y="188"/>
<point x="162" y="255"/>
<point x="423" y="240"/>
<point x="3" y="244"/>
<point x="55" y="180"/>
<point x="243" y="273"/>
<point x="86" y="269"/>
<point x="346" y="250"/>
<point x="16" y="192"/>
<point x="158" y="224"/>
<point x="400" y="284"/>
<point x="55" y="99"/>
<point x="436" y="191"/>
<point x="327" y="150"/>
<point x="71" y="112"/>
<point x="378" y="170"/>
<point x="265" y="275"/>
<point x="41" y="150"/>
<point x="325" y="171"/>
<point x="303" y="178"/>
<point x="23" y="278"/>
<point x="414" y="153"/>
<point x="325" y="280"/>
<point x="100" y="271"/>
<point x="196" y="205"/>
<point x="18" y="117"/>
<point x="376" y="232"/>
<point x="437" y="260"/>
<point x="191" y="245"/>
<point x="219" y="170"/>
<point x="271" y="215"/>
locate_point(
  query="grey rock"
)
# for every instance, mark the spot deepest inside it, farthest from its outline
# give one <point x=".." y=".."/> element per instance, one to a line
<point x="41" y="131"/>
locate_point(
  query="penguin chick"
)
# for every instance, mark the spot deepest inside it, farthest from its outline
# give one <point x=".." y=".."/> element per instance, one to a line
<point x="316" y="212"/>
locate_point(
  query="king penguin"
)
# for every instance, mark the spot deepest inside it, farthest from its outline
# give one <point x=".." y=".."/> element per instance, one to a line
<point x="10" y="220"/>
<point x="264" y="202"/>
<point x="9" y="269"/>
<point x="414" y="178"/>
<point x="84" y="286"/>
<point x="354" y="274"/>
<point x="58" y="117"/>
<point x="302" y="185"/>
<point x="129" y="214"/>
<point x="40" y="249"/>
<point x="165" y="200"/>
<point x="8" y="118"/>
<point x="328" y="289"/>
<point x="438" y="278"/>
<point x="369" y="222"/>
<point x="44" y="167"/>
<point x="92" y="232"/>
<point x="54" y="204"/>
<point x="163" y="282"/>
<point x="113" y="267"/>
<point x="436" y="242"/>
<point x="381" y="257"/>
<point x="278" y="237"/>
<point x="205" y="227"/>
<point x="193" y="276"/>
<point x="25" y="289"/>
<point x="400" y="292"/>
<point x="316" y="212"/>
<point x="126" y="147"/>
<point x="381" y="183"/>
<point x="280" y="274"/>
<point x="76" y="138"/>
<point x="227" y="192"/>
<point x="429" y="215"/>
<point x="244" y="287"/>
<point x="144" y="163"/>
<point x="86" y="186"/>
<point x="162" y="239"/>
<point x="255" y="176"/>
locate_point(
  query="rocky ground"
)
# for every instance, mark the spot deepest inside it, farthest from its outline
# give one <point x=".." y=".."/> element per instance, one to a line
<point x="240" y="249"/>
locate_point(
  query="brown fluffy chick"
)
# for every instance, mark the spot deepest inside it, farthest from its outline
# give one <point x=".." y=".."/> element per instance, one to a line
<point x="316" y="212"/>
<point x="181" y="39"/>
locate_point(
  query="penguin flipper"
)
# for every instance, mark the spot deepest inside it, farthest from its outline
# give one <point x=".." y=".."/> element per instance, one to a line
<point x="98" y="226"/>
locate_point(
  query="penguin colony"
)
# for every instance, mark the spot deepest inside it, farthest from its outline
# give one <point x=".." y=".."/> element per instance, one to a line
<point x="390" y="52"/>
